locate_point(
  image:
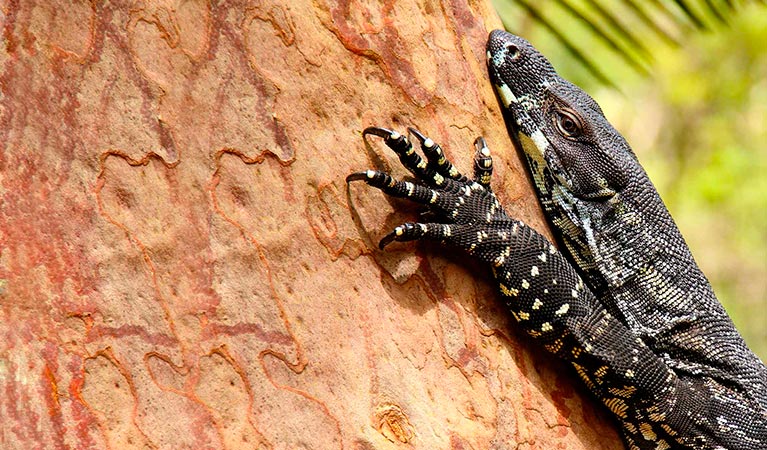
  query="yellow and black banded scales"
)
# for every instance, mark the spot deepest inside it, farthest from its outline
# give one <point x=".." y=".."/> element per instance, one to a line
<point x="624" y="303"/>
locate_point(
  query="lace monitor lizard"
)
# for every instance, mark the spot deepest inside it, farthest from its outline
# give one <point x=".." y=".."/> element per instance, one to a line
<point x="623" y="302"/>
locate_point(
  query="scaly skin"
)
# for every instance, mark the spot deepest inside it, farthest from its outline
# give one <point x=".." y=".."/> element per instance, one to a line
<point x="624" y="304"/>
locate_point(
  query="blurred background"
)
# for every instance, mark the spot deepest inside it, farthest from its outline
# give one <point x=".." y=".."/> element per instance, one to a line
<point x="686" y="84"/>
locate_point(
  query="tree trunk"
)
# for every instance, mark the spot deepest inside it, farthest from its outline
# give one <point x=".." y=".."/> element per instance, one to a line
<point x="183" y="265"/>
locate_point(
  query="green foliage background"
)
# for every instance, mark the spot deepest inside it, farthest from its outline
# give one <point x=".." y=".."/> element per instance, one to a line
<point x="692" y="102"/>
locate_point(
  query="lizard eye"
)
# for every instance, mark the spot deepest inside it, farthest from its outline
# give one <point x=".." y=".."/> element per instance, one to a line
<point x="568" y="124"/>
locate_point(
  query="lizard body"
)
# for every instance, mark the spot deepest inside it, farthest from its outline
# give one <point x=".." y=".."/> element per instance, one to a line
<point x="624" y="302"/>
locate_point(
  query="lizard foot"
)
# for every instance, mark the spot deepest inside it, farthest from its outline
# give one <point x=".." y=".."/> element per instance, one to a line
<point x="463" y="203"/>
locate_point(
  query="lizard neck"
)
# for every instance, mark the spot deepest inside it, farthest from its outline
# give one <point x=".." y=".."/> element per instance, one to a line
<point x="628" y="245"/>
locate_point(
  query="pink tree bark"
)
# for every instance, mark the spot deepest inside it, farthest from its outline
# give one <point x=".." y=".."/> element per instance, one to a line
<point x="183" y="266"/>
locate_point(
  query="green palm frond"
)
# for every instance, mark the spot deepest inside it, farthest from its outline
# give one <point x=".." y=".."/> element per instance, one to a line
<point x="622" y="33"/>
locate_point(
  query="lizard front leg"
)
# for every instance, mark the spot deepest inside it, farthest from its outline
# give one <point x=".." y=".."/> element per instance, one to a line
<point x="548" y="299"/>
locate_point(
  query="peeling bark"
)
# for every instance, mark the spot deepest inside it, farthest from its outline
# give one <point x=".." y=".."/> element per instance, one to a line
<point x="183" y="266"/>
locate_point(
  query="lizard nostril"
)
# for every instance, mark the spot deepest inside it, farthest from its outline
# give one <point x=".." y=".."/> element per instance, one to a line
<point x="512" y="51"/>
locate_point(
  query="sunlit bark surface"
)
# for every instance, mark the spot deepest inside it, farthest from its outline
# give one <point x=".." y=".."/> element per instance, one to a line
<point x="183" y="266"/>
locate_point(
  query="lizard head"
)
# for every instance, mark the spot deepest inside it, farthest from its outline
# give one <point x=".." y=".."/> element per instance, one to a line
<point x="561" y="129"/>
<point x="596" y="195"/>
<point x="582" y="167"/>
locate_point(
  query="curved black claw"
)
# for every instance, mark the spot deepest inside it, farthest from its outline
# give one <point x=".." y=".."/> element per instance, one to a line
<point x="405" y="232"/>
<point x="388" y="239"/>
<point x="357" y="176"/>
<point x="417" y="134"/>
<point x="395" y="140"/>
<point x="378" y="131"/>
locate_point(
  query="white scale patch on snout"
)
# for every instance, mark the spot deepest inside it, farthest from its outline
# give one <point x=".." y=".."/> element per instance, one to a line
<point x="499" y="57"/>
